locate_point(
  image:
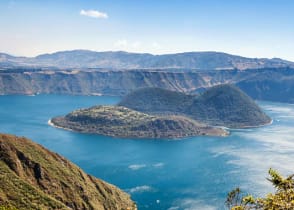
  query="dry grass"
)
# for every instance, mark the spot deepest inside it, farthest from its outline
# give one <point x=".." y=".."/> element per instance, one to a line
<point x="32" y="177"/>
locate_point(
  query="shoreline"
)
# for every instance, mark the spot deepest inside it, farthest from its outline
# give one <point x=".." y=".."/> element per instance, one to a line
<point x="248" y="127"/>
<point x="50" y="123"/>
<point x="228" y="130"/>
<point x="244" y="127"/>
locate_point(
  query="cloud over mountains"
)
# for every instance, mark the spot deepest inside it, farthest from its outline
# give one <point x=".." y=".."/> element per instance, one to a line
<point x="94" y="14"/>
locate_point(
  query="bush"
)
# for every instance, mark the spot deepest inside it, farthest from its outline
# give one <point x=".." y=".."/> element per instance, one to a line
<point x="7" y="207"/>
<point x="282" y="199"/>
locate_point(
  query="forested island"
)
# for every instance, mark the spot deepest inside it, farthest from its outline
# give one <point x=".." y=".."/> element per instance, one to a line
<point x="159" y="113"/>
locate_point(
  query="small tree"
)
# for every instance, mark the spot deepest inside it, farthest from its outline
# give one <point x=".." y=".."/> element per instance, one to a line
<point x="282" y="199"/>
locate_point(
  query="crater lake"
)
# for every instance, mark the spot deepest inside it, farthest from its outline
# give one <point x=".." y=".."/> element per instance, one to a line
<point x="190" y="173"/>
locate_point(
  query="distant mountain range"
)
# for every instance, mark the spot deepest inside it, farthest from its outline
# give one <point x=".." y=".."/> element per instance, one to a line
<point x="85" y="72"/>
<point x="275" y="84"/>
<point x="125" y="60"/>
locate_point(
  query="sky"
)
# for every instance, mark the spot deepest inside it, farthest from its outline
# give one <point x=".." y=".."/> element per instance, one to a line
<point x="256" y="28"/>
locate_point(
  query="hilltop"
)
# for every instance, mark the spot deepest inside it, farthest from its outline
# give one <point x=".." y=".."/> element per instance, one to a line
<point x="221" y="105"/>
<point x="126" y="60"/>
<point x="32" y="177"/>
<point x="160" y="113"/>
<point x="122" y="122"/>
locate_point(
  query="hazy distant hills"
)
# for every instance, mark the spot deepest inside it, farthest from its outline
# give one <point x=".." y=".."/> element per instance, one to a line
<point x="86" y="72"/>
<point x="125" y="60"/>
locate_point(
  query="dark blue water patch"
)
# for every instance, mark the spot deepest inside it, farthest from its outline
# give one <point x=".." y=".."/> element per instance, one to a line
<point x="194" y="173"/>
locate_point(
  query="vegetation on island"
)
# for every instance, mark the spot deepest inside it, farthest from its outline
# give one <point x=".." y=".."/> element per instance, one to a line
<point x="123" y="122"/>
<point x="281" y="199"/>
<point x="221" y="105"/>
<point x="32" y="177"/>
<point x="160" y="113"/>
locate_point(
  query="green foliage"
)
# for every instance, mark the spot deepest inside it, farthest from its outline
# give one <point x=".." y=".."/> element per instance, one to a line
<point x="221" y="105"/>
<point x="233" y="198"/>
<point x="122" y="122"/>
<point x="282" y="199"/>
<point x="57" y="184"/>
<point x="237" y="201"/>
<point x="7" y="207"/>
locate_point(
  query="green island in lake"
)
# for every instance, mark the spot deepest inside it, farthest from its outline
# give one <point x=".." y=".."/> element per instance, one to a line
<point x="159" y="113"/>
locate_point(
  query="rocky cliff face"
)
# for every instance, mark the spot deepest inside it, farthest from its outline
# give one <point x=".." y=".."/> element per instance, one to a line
<point x="266" y="84"/>
<point x="32" y="177"/>
<point x="96" y="82"/>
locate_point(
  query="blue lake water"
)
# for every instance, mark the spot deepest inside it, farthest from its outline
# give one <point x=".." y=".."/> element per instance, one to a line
<point x="193" y="173"/>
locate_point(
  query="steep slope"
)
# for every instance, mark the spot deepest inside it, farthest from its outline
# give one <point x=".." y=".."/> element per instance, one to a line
<point x="261" y="84"/>
<point x="157" y="100"/>
<point x="227" y="105"/>
<point x="32" y="177"/>
<point x="125" y="60"/>
<point x="122" y="122"/>
<point x="222" y="105"/>
<point x="270" y="85"/>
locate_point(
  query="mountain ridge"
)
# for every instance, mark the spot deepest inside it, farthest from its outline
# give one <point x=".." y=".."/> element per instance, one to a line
<point x="203" y="60"/>
<point x="260" y="84"/>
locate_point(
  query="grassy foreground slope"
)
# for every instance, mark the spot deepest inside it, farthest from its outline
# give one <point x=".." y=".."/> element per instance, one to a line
<point x="221" y="105"/>
<point x="32" y="177"/>
<point x="120" y="121"/>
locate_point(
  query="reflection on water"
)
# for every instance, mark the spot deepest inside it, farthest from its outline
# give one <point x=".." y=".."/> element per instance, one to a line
<point x="194" y="173"/>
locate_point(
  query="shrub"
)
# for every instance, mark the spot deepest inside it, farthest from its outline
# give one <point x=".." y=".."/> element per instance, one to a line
<point x="282" y="199"/>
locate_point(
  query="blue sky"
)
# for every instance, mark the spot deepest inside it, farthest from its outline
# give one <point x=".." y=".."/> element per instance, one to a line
<point x="256" y="28"/>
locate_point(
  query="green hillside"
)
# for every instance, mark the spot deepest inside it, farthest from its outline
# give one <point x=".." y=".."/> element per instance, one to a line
<point x="222" y="105"/>
<point x="119" y="121"/>
<point x="32" y="177"/>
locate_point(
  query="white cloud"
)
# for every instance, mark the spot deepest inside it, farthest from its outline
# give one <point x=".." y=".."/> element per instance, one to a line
<point x="122" y="43"/>
<point x="94" y="14"/>
<point x="127" y="45"/>
<point x="155" y="46"/>
<point x="136" y="44"/>
<point x="141" y="189"/>
<point x="136" y="166"/>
